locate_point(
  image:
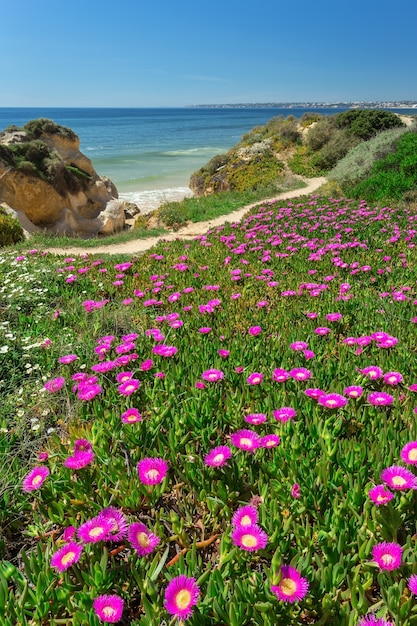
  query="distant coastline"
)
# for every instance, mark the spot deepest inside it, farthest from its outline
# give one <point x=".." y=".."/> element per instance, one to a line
<point x="401" y="104"/>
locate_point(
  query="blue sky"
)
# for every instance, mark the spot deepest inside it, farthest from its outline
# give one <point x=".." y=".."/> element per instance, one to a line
<point x="178" y="53"/>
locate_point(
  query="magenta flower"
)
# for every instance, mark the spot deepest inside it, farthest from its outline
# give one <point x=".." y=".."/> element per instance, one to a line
<point x="280" y="375"/>
<point x="35" y="478"/>
<point x="218" y="456"/>
<point x="68" y="358"/>
<point x="334" y="317"/>
<point x="284" y="414"/>
<point x="66" y="556"/>
<point x="245" y="516"/>
<point x="143" y="541"/>
<point x="372" y="371"/>
<point x="165" y="351"/>
<point x="82" y="445"/>
<point x="412" y="584"/>
<point x="246" y="440"/>
<point x="380" y="398"/>
<point x="152" y="471"/>
<point x="69" y="533"/>
<point x="249" y="537"/>
<point x="314" y="392"/>
<point x="353" y="391"/>
<point x="409" y="453"/>
<point x="118" y="521"/>
<point x="393" y="378"/>
<point x="129" y="387"/>
<point x="55" y="384"/>
<point x="295" y="491"/>
<point x="95" y="530"/>
<point x="204" y="330"/>
<point x="398" y="477"/>
<point x="292" y="587"/>
<point x="255" y="330"/>
<point x="108" y="608"/>
<point x="88" y="392"/>
<point x="387" y="555"/>
<point x="181" y="595"/>
<point x="298" y="346"/>
<point x="332" y="400"/>
<point x="79" y="460"/>
<point x="322" y="330"/>
<point x="223" y="353"/>
<point x="255" y="418"/>
<point x="371" y="620"/>
<point x="255" y="378"/>
<point x="131" y="416"/>
<point x="212" y="375"/>
<point x="380" y="495"/>
<point x="123" y="377"/>
<point x="300" y="373"/>
<point x="270" y="441"/>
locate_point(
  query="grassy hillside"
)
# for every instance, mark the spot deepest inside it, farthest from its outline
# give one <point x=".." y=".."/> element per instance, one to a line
<point x="220" y="410"/>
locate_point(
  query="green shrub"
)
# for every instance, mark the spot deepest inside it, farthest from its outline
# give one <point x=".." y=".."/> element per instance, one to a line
<point x="338" y="145"/>
<point x="365" y="124"/>
<point x="41" y="126"/>
<point x="261" y="171"/>
<point x="393" y="176"/>
<point x="11" y="231"/>
<point x="358" y="162"/>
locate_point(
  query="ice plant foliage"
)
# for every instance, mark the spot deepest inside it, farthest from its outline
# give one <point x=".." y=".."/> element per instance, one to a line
<point x="147" y="373"/>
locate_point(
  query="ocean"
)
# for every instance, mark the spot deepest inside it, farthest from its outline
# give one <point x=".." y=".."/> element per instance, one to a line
<point x="150" y="154"/>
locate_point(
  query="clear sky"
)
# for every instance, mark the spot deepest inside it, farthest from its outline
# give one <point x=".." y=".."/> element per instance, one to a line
<point x="156" y="53"/>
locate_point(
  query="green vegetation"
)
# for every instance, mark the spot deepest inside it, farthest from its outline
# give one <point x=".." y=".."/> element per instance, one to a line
<point x="41" y="126"/>
<point x="297" y="327"/>
<point x="11" y="232"/>
<point x="177" y="214"/>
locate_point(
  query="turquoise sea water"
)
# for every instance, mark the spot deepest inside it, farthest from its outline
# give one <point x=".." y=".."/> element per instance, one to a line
<point x="150" y="154"/>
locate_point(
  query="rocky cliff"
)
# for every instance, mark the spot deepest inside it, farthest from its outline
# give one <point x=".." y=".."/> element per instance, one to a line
<point x="47" y="183"/>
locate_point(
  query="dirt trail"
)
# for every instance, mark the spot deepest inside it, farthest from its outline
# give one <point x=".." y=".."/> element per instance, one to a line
<point x="190" y="231"/>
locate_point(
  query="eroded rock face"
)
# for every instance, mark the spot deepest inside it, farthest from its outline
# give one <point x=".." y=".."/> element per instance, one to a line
<point x="45" y="178"/>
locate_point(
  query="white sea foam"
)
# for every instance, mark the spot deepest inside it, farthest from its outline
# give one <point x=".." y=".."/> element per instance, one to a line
<point x="152" y="199"/>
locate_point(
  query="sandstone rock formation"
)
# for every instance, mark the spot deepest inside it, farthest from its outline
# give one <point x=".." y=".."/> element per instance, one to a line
<point x="49" y="184"/>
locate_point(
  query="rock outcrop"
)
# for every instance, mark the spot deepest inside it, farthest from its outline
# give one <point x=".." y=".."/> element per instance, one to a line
<point x="49" y="184"/>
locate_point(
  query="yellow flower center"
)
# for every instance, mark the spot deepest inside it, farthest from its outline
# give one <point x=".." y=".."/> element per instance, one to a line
<point x="288" y="586"/>
<point x="37" y="479"/>
<point x="245" y="521"/>
<point x="387" y="559"/>
<point x="96" y="532"/>
<point x="246" y="442"/>
<point x="152" y="474"/>
<point x="399" y="481"/>
<point x="412" y="455"/>
<point x="143" y="539"/>
<point x="67" y="557"/>
<point x="131" y="417"/>
<point x="183" y="599"/>
<point x="249" y="541"/>
<point x="109" y="611"/>
<point x="218" y="458"/>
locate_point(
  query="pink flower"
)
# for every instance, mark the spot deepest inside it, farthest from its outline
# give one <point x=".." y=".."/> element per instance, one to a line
<point x="409" y="453"/>
<point x="393" y="378"/>
<point x="166" y="351"/>
<point x="292" y="586"/>
<point x="181" y="595"/>
<point x="108" y="608"/>
<point x="143" y="541"/>
<point x="379" y="398"/>
<point x="298" y="346"/>
<point x="354" y="391"/>
<point x="372" y="371"/>
<point x="129" y="387"/>
<point x="118" y="521"/>
<point x="398" y="477"/>
<point x="246" y="440"/>
<point x="322" y="330"/>
<point x="79" y="460"/>
<point x="300" y="373"/>
<point x="66" y="556"/>
<point x="68" y="358"/>
<point x="332" y="400"/>
<point x="295" y="491"/>
<point x="55" y="384"/>
<point x="255" y="330"/>
<point x="255" y="418"/>
<point x="152" y="471"/>
<point x="131" y="416"/>
<point x="35" y="478"/>
<point x="212" y="375"/>
<point x="245" y="516"/>
<point x="270" y="441"/>
<point x="387" y="555"/>
<point x="412" y="584"/>
<point x="284" y="414"/>
<point x="249" y="537"/>
<point x="95" y="530"/>
<point x="218" y="456"/>
<point x="280" y="375"/>
<point x="380" y="495"/>
<point x="255" y="378"/>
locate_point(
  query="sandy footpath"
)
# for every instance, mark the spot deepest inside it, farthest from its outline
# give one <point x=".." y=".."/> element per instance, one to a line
<point x="190" y="231"/>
